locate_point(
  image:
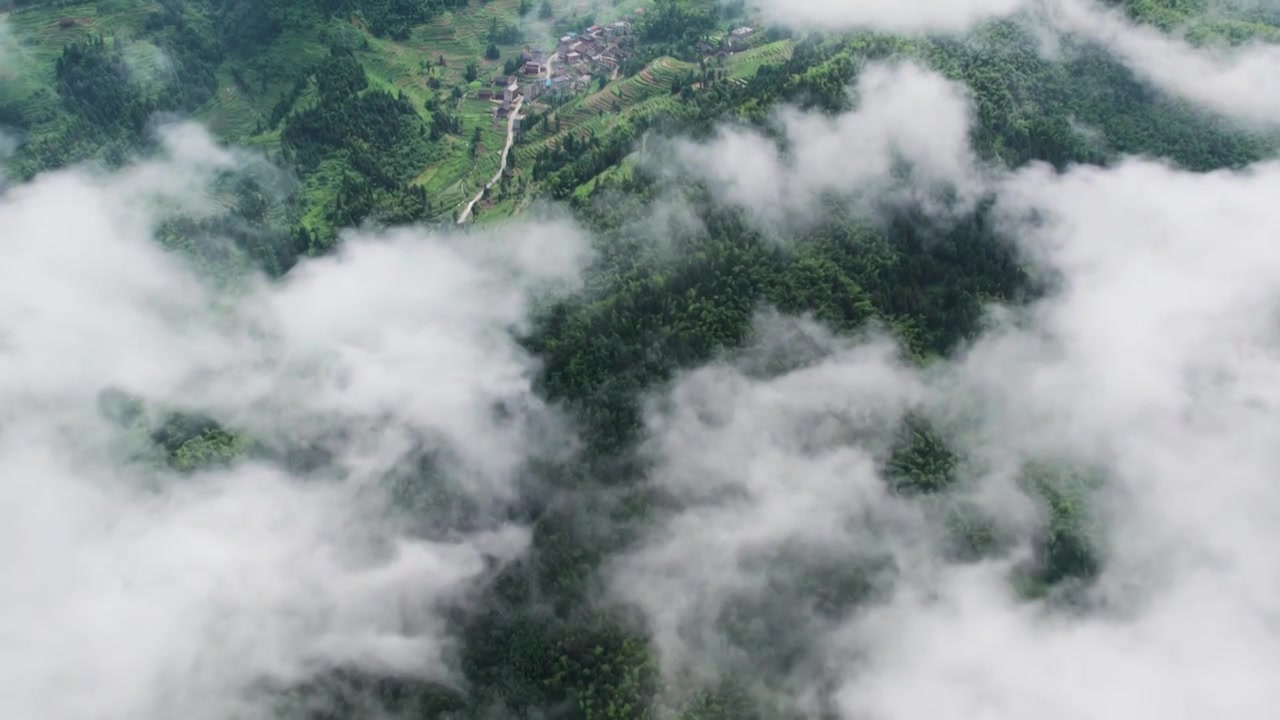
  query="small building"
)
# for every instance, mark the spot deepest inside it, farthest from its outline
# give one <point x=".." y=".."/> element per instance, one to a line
<point x="742" y="32"/>
<point x="532" y="90"/>
<point x="567" y="39"/>
<point x="560" y="83"/>
<point x="531" y="68"/>
<point x="704" y="47"/>
<point x="484" y="94"/>
<point x="594" y="30"/>
<point x="622" y="27"/>
<point x="510" y="92"/>
<point x="573" y="58"/>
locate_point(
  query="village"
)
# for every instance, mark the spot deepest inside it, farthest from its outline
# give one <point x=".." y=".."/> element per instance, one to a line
<point x="598" y="50"/>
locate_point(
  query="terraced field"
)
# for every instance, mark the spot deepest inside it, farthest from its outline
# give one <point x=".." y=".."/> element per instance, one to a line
<point x="461" y="36"/>
<point x="746" y="63"/>
<point x="665" y="69"/>
<point x="638" y="96"/>
<point x="236" y="114"/>
<point x="43" y="32"/>
<point x="37" y="37"/>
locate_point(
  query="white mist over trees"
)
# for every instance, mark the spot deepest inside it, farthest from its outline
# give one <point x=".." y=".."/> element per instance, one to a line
<point x="135" y="591"/>
<point x="818" y="412"/>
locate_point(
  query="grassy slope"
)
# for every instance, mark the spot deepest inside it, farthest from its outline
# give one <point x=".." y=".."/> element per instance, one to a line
<point x="745" y="64"/>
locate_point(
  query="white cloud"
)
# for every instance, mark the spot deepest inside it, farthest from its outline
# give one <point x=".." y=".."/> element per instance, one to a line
<point x="1240" y="82"/>
<point x="912" y="16"/>
<point x="759" y="465"/>
<point x="1155" y="361"/>
<point x="1158" y="360"/>
<point x="1163" y="366"/>
<point x="847" y="154"/>
<point x="133" y="593"/>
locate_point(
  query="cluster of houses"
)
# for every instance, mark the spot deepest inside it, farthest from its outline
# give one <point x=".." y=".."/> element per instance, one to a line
<point x="506" y="91"/>
<point x="597" y="49"/>
<point x="736" y="40"/>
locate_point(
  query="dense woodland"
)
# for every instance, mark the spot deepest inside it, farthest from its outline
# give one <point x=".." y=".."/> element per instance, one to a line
<point x="538" y="642"/>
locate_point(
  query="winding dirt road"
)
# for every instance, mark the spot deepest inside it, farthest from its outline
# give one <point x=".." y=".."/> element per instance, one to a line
<point x="511" y="136"/>
<point x="502" y="166"/>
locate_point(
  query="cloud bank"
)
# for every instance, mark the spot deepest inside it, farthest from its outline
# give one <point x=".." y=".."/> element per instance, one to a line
<point x="1241" y="82"/>
<point x="1157" y="361"/>
<point x="854" y="152"/>
<point x="133" y="591"/>
<point x="914" y="16"/>
<point x="1154" y="365"/>
<point x="1139" y="395"/>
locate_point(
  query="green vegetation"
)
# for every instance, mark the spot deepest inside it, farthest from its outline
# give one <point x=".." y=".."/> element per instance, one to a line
<point x="373" y="104"/>
<point x="93" y="75"/>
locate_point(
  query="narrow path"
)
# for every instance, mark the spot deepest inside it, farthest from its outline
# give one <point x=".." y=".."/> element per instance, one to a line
<point x="506" y="151"/>
<point x="502" y="166"/>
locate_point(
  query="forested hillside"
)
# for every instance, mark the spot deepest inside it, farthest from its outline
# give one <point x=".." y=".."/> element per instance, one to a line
<point x="793" y="382"/>
<point x="289" y="77"/>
